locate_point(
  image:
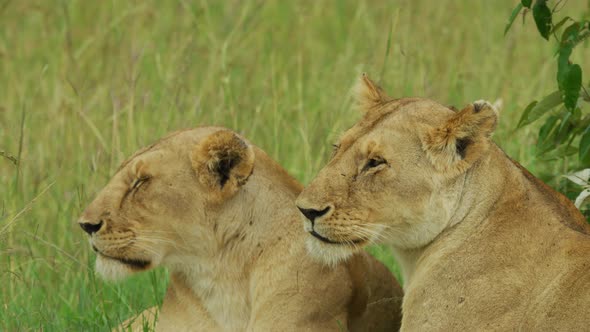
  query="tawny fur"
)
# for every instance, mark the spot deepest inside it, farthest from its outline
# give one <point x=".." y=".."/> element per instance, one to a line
<point x="482" y="243"/>
<point x="368" y="94"/>
<point x="220" y="215"/>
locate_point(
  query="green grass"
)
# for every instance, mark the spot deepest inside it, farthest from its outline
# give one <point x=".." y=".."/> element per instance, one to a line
<point x="86" y="83"/>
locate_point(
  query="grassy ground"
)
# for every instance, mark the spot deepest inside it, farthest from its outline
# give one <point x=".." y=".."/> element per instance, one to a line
<point x="86" y="83"/>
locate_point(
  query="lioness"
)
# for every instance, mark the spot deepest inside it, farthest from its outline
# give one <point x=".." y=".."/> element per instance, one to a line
<point x="482" y="243"/>
<point x="221" y="216"/>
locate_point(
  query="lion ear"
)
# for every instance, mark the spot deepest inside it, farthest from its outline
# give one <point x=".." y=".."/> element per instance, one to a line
<point x="223" y="162"/>
<point x="463" y="139"/>
<point x="368" y="94"/>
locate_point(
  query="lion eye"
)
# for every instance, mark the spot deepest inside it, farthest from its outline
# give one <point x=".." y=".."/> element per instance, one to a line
<point x="374" y="162"/>
<point x="138" y="182"/>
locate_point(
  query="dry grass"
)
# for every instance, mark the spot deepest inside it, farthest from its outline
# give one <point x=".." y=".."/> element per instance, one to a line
<point x="86" y="83"/>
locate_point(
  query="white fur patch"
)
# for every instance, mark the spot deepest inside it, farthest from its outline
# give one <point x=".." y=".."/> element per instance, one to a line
<point x="110" y="269"/>
<point x="307" y="226"/>
<point x="329" y="254"/>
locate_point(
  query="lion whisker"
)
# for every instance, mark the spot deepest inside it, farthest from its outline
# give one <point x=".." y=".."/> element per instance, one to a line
<point x="365" y="230"/>
<point x="156" y="240"/>
<point x="147" y="249"/>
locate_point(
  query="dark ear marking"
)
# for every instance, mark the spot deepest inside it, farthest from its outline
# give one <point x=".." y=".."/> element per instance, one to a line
<point x="462" y="139"/>
<point x="224" y="167"/>
<point x="223" y="161"/>
<point x="477" y="107"/>
<point x="461" y="145"/>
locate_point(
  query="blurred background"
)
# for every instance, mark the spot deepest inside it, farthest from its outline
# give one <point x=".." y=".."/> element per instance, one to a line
<point x="83" y="84"/>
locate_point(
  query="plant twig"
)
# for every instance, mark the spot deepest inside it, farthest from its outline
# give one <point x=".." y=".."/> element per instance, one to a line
<point x="25" y="209"/>
<point x="555" y="10"/>
<point x="9" y="157"/>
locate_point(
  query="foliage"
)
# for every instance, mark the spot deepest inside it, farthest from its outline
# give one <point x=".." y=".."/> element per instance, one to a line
<point x="566" y="130"/>
<point x="581" y="178"/>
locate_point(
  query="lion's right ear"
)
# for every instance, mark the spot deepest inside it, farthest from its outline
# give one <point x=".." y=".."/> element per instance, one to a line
<point x="367" y="94"/>
<point x="223" y="162"/>
<point x="463" y="139"/>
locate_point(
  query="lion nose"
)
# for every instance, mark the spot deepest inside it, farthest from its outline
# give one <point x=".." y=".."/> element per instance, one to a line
<point x="312" y="214"/>
<point x="91" y="228"/>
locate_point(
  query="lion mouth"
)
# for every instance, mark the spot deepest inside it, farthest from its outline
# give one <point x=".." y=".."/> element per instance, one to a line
<point x="134" y="263"/>
<point x="326" y="240"/>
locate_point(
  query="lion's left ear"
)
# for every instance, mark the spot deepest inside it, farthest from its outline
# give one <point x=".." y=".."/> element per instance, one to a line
<point x="223" y="162"/>
<point x="463" y="139"/>
<point x="368" y="94"/>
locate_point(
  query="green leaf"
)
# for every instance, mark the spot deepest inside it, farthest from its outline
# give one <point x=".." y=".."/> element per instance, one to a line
<point x="542" y="16"/>
<point x="563" y="65"/>
<point x="569" y="38"/>
<point x="547" y="127"/>
<point x="525" y="114"/>
<point x="569" y="76"/>
<point x="515" y="12"/>
<point x="572" y="82"/>
<point x="559" y="24"/>
<point x="547" y="131"/>
<point x="526" y="3"/>
<point x="537" y="110"/>
<point x="570" y="35"/>
<point x="565" y="128"/>
<point x="582" y="124"/>
<point x="559" y="153"/>
<point x="554" y="135"/>
<point x="584" y="150"/>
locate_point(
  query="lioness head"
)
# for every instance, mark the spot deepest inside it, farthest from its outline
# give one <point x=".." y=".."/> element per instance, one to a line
<point x="396" y="175"/>
<point x="165" y="194"/>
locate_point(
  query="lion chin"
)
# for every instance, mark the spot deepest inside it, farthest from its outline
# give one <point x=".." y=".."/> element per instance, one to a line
<point x="328" y="254"/>
<point x="113" y="270"/>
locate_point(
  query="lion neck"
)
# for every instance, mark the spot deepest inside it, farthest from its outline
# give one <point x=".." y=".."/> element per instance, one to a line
<point x="245" y="229"/>
<point x="497" y="193"/>
<point x="477" y="192"/>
